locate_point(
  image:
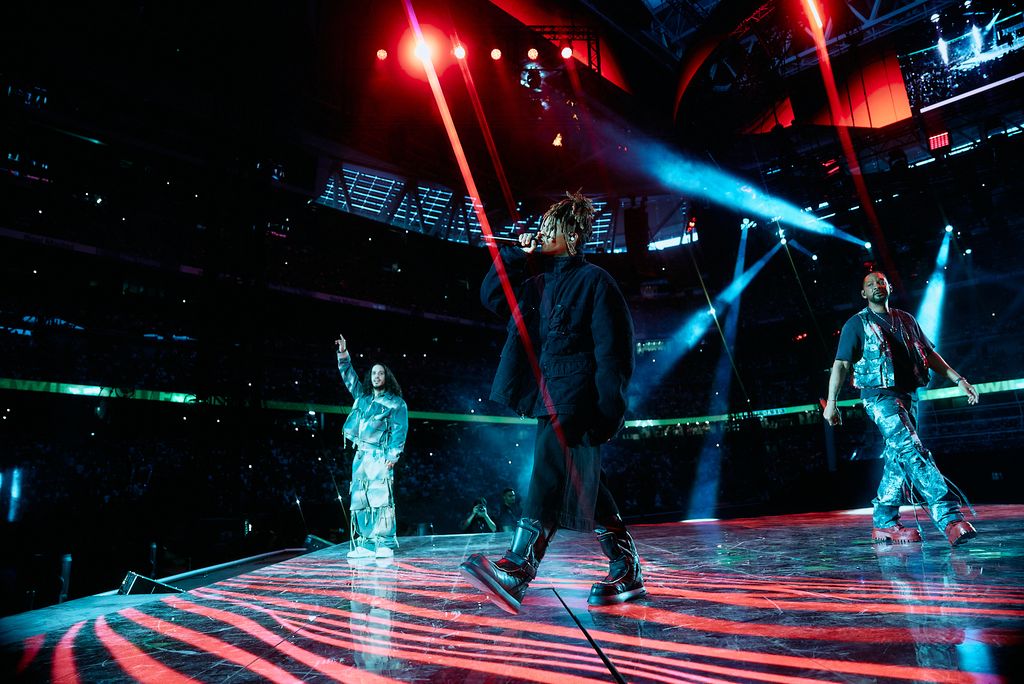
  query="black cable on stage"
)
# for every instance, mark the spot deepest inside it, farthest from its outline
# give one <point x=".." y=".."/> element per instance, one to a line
<point x="607" y="663"/>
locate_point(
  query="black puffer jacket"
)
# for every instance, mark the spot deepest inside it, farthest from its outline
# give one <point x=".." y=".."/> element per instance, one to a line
<point x="581" y="332"/>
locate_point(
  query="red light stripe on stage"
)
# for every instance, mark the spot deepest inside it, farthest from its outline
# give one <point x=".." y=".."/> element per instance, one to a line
<point x="746" y="656"/>
<point x="278" y="587"/>
<point x="433" y="614"/>
<point x="133" y="660"/>
<point x="750" y="600"/>
<point x="481" y="645"/>
<point x="502" y="653"/>
<point x="211" y="645"/>
<point x="503" y="668"/>
<point x="63" y="669"/>
<point x="312" y="660"/>
<point x="586" y="659"/>
<point x="666" y="575"/>
<point x="536" y="599"/>
<point x="889" y="635"/>
<point x="746" y="599"/>
<point x="638" y="663"/>
<point x="30" y="651"/>
<point x="448" y="633"/>
<point x="845" y="593"/>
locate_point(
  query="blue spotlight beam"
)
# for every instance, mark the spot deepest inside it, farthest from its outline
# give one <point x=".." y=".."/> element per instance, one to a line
<point x="730" y="293"/>
<point x="704" y="492"/>
<point x="696" y="325"/>
<point x="696" y="179"/>
<point x="930" y="313"/>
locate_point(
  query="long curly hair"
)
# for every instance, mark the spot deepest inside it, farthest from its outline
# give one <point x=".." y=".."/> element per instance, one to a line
<point x="574" y="214"/>
<point x="390" y="383"/>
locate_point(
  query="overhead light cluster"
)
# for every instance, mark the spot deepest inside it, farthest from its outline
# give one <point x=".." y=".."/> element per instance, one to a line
<point x="424" y="51"/>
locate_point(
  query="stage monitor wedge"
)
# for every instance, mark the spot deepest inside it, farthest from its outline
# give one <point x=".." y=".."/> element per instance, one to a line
<point x="134" y="583"/>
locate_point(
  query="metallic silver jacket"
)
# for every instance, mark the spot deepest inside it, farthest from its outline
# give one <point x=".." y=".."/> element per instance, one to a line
<point x="376" y="422"/>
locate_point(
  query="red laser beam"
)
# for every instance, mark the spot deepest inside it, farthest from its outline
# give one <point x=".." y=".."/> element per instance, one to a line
<point x="499" y="265"/>
<point x="492" y="149"/>
<point x="828" y="78"/>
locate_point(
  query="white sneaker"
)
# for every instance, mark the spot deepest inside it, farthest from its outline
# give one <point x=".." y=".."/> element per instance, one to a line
<point x="384" y="552"/>
<point x="360" y="552"/>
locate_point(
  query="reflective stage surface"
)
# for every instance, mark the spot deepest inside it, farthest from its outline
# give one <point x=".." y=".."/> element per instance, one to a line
<point x="799" y="598"/>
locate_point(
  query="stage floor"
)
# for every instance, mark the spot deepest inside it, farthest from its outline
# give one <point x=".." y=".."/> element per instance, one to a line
<point x="798" y="598"/>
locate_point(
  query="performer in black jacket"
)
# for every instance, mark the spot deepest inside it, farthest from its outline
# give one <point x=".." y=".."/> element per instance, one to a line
<point x="580" y="332"/>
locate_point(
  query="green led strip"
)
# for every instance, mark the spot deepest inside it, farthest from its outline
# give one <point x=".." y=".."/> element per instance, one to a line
<point x="182" y="398"/>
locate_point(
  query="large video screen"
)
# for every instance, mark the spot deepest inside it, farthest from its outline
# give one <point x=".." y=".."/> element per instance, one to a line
<point x="964" y="48"/>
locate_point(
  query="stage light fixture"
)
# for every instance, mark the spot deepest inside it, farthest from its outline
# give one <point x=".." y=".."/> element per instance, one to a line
<point x="459" y="52"/>
<point x="495" y="54"/>
<point x="938" y="141"/>
<point x="867" y="245"/>
<point x="949" y="229"/>
<point x="557" y="142"/>
<point x="968" y="251"/>
<point x="382" y="54"/>
<point x="813" y="7"/>
<point x="532" y="78"/>
<point x="423" y="51"/>
<point x="566" y="52"/>
<point x="532" y="53"/>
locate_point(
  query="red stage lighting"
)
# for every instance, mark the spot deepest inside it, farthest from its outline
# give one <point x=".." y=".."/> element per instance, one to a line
<point x="532" y="53"/>
<point x="422" y="52"/>
<point x="459" y="52"/>
<point x="495" y="54"/>
<point x="566" y="52"/>
<point x="938" y="141"/>
<point x="382" y="54"/>
<point x="812" y="5"/>
<point x="433" y="47"/>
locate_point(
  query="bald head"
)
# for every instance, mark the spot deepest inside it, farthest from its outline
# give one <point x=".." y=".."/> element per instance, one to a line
<point x="875" y="287"/>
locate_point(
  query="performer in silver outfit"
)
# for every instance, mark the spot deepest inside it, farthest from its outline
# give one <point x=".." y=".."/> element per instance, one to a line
<point x="890" y="357"/>
<point x="377" y="426"/>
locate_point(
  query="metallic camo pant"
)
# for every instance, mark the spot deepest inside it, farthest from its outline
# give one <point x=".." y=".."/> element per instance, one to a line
<point x="908" y="462"/>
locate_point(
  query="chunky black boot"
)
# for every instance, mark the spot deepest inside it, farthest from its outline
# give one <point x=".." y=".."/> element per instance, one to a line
<point x="505" y="582"/>
<point x="625" y="580"/>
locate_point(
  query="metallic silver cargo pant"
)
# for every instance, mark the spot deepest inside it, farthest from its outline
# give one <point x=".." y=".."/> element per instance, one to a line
<point x="908" y="464"/>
